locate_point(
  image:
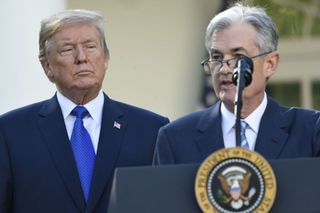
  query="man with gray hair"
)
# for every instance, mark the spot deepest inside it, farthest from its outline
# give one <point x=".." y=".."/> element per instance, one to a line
<point x="59" y="155"/>
<point x="269" y="129"/>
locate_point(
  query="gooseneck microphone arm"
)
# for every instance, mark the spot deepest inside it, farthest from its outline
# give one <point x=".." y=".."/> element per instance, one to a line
<point x="241" y="77"/>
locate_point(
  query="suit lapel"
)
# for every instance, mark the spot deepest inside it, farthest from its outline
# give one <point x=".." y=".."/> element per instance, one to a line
<point x="210" y="133"/>
<point x="112" y="131"/>
<point x="55" y="136"/>
<point x="270" y="140"/>
<point x="272" y="132"/>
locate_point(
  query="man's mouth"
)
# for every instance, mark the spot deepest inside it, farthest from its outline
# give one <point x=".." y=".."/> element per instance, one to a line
<point x="84" y="72"/>
<point x="226" y="84"/>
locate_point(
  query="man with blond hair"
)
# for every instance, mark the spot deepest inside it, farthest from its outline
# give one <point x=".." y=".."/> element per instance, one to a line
<point x="59" y="155"/>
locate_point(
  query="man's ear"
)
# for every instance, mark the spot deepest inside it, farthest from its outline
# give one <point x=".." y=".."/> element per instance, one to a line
<point x="271" y="63"/>
<point x="46" y="67"/>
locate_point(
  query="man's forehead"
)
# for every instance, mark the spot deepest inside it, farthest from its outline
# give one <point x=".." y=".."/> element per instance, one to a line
<point x="236" y="37"/>
<point x="68" y="34"/>
<point x="77" y="28"/>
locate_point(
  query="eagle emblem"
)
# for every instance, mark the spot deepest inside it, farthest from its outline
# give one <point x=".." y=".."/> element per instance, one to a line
<point x="235" y="183"/>
<point x="235" y="180"/>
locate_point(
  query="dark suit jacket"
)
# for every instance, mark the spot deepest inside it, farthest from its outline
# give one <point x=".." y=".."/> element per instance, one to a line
<point x="283" y="133"/>
<point x="38" y="173"/>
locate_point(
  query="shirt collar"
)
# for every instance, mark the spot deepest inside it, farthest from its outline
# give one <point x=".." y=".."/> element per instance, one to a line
<point x="228" y="119"/>
<point x="253" y="120"/>
<point x="94" y="107"/>
<point x="255" y="117"/>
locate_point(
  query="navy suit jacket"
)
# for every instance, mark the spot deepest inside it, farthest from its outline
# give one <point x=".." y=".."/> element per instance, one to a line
<point x="283" y="133"/>
<point x="38" y="173"/>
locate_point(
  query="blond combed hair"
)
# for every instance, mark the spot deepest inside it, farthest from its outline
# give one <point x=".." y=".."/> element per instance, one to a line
<point x="54" y="23"/>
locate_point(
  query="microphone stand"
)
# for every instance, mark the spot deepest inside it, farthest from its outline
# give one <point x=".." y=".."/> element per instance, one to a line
<point x="238" y="101"/>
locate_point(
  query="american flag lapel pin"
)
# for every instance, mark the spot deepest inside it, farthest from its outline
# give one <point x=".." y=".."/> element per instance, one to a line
<point x="116" y="125"/>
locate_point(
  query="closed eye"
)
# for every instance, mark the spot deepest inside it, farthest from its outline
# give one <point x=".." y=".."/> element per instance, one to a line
<point x="238" y="55"/>
<point x="216" y="57"/>
<point x="66" y="51"/>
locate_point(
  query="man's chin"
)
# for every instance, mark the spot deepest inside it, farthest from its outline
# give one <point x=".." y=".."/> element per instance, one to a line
<point x="86" y="83"/>
<point x="227" y="98"/>
<point x="86" y="86"/>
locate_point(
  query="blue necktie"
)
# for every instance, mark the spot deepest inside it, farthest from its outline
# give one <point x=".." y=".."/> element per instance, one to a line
<point x="82" y="149"/>
<point x="243" y="138"/>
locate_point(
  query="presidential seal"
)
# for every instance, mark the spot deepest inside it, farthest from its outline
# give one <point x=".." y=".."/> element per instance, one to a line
<point x="235" y="180"/>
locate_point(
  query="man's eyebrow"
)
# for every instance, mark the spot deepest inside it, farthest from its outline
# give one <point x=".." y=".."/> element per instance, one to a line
<point x="238" y="49"/>
<point x="89" y="40"/>
<point x="64" y="42"/>
<point x="233" y="50"/>
<point x="213" y="51"/>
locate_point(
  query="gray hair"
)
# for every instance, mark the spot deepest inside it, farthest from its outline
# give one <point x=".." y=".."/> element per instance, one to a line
<point x="53" y="24"/>
<point x="267" y="33"/>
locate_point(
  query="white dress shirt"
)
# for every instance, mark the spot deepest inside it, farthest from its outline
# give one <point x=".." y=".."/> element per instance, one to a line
<point x="253" y="121"/>
<point x="92" y="122"/>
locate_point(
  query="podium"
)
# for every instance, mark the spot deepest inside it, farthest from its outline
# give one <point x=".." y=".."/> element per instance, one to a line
<point x="170" y="189"/>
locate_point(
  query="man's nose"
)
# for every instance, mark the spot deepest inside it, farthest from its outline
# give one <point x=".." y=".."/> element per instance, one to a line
<point x="81" y="56"/>
<point x="225" y="68"/>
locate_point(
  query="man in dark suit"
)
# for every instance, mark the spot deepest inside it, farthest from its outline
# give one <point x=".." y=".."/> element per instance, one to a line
<point x="40" y="167"/>
<point x="270" y="129"/>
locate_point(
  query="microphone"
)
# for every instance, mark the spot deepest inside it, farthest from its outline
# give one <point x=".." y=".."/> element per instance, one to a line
<point x="244" y="65"/>
<point x="241" y="77"/>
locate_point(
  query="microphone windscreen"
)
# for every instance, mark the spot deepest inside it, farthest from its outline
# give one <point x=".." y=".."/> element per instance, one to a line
<point x="245" y="65"/>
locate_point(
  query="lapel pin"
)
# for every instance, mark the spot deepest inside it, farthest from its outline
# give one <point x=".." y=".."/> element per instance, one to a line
<point x="116" y="125"/>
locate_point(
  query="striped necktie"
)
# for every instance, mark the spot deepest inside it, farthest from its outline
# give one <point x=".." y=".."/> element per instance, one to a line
<point x="243" y="138"/>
